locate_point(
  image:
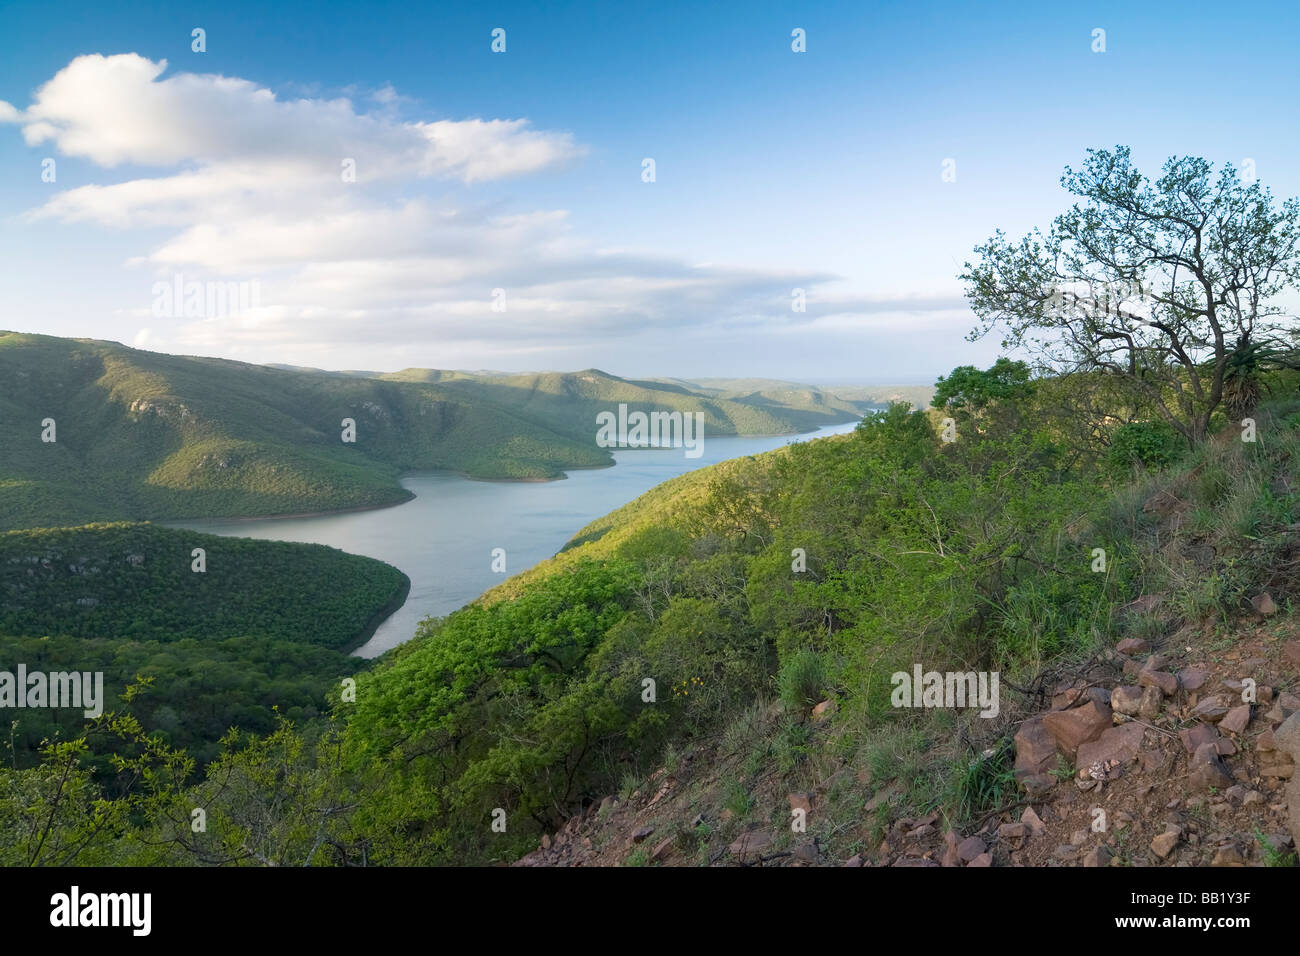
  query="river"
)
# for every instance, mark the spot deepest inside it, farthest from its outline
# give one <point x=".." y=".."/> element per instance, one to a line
<point x="444" y="537"/>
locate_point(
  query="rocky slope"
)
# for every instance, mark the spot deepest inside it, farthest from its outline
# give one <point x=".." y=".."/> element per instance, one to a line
<point x="1147" y="756"/>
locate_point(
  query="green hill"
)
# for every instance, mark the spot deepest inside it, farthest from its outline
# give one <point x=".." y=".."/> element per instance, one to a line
<point x="266" y="625"/>
<point x="146" y="436"/>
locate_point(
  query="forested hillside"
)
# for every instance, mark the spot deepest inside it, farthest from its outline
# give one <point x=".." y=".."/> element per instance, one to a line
<point x="95" y="431"/>
<point x="264" y="624"/>
<point x="711" y="615"/>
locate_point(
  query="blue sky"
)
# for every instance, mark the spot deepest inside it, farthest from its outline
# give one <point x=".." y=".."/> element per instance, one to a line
<point x="774" y="170"/>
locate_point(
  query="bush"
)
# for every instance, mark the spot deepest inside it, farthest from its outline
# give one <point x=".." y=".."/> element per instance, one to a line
<point x="801" y="679"/>
<point x="1151" y="445"/>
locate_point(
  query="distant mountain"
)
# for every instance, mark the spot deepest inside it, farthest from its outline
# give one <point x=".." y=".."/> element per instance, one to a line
<point x="144" y="435"/>
<point x="141" y="435"/>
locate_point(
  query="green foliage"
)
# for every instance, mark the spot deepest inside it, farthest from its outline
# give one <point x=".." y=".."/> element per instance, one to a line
<point x="801" y="680"/>
<point x="1151" y="445"/>
<point x="966" y="387"/>
<point x="267" y="624"/>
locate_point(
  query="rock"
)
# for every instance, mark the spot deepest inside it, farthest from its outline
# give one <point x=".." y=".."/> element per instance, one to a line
<point x="1275" y="763"/>
<point x="642" y="833"/>
<point x="1156" y="662"/>
<point x="546" y="841"/>
<point x="807" y="852"/>
<point x="1013" y="831"/>
<point x="1287" y="738"/>
<point x="1070" y="696"/>
<point x="1119" y="744"/>
<point x="1236" y="720"/>
<point x="1193" y="678"/>
<point x="1035" y="823"/>
<point x="1166" y="681"/>
<point x="984" y="859"/>
<point x="1263" y="604"/>
<point x="1097" y="856"/>
<point x="1126" y="700"/>
<point x="1211" y="709"/>
<point x="1291" y="653"/>
<point x="824" y="710"/>
<point x="1132" y="645"/>
<point x="1228" y="856"/>
<point x="854" y="861"/>
<point x="1078" y="837"/>
<point x="1196" y="735"/>
<point x="751" y="844"/>
<point x="662" y="850"/>
<point x="1035" y="749"/>
<point x="1208" y="769"/>
<point x="1151" y="700"/>
<point x="970" y="848"/>
<point x="1164" y="844"/>
<point x="924" y="830"/>
<point x="1070" y="728"/>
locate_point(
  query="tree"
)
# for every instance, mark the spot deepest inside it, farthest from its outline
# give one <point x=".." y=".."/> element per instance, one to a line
<point x="966" y="387"/>
<point x="1167" y="285"/>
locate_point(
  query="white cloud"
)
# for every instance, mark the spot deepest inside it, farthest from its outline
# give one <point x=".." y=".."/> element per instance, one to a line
<point x="248" y="186"/>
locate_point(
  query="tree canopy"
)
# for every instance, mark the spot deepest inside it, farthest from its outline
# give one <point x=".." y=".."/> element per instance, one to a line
<point x="1171" y="286"/>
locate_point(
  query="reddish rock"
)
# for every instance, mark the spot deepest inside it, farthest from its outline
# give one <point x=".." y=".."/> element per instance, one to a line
<point x="1208" y="769"/>
<point x="1211" y="709"/>
<point x="1291" y="653"/>
<point x="1120" y="744"/>
<point x="1193" y="678"/>
<point x="1035" y="823"/>
<point x="1035" y="749"/>
<point x="969" y="848"/>
<point x="642" y="833"/>
<point x="1152" y="698"/>
<point x="1126" y="700"/>
<point x="1164" y="680"/>
<point x="823" y="710"/>
<point x="1098" y="856"/>
<point x="1070" y="728"/>
<point x="1013" y="831"/>
<point x="1164" y="844"/>
<point x="1156" y="662"/>
<point x="1132" y="645"/>
<point x="984" y="859"/>
<point x="1196" y="735"/>
<point x="1236" y="720"/>
<point x="662" y="850"/>
<point x="1288" y="743"/>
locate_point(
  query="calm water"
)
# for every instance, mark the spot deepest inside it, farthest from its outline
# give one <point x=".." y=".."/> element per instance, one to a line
<point x="443" y="538"/>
